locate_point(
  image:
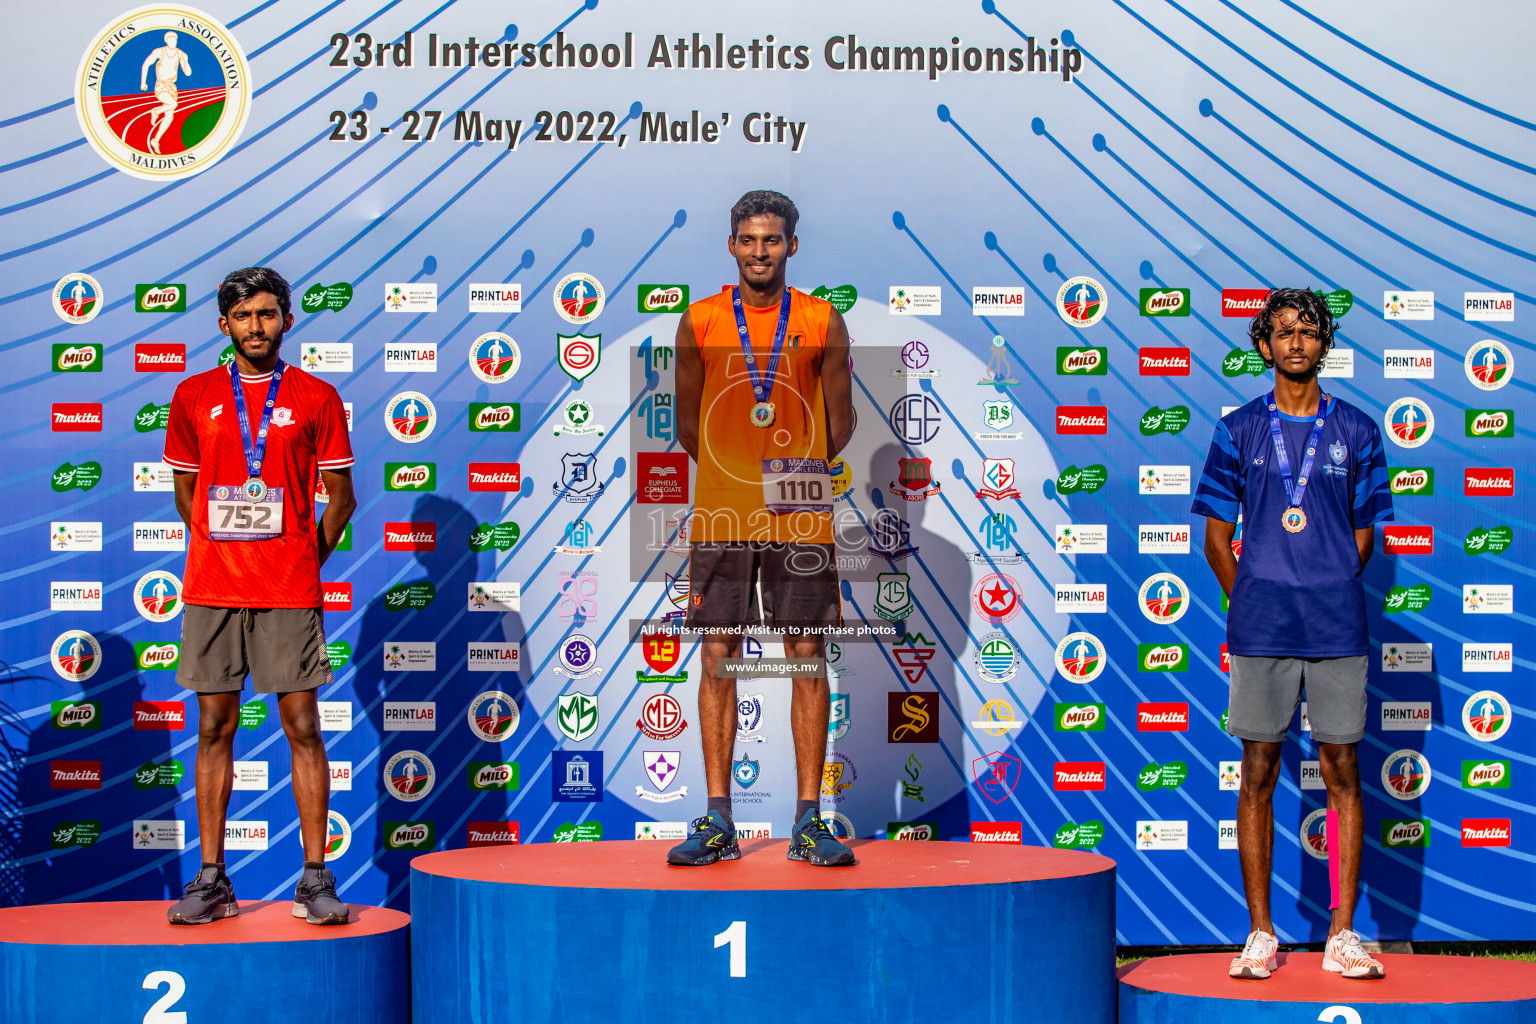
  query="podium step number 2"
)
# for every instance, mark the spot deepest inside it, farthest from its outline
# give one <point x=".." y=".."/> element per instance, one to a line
<point x="1340" y="1015"/>
<point x="175" y="988"/>
<point x="736" y="937"/>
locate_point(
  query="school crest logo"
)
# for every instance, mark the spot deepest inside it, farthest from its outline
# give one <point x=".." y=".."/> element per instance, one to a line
<point x="579" y="354"/>
<point x="577" y="717"/>
<point x="579" y="298"/>
<point x="996" y="774"/>
<point x="162" y="92"/>
<point x="410" y="417"/>
<point x="996" y="597"/>
<point x="578" y="477"/>
<point x="893" y="598"/>
<point x="745" y="772"/>
<point x="997" y="659"/>
<point x="495" y="357"/>
<point x="914" y="481"/>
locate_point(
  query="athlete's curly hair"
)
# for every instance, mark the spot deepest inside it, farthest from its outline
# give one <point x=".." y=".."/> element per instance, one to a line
<point x="242" y="284"/>
<point x="775" y="203"/>
<point x="1309" y="305"/>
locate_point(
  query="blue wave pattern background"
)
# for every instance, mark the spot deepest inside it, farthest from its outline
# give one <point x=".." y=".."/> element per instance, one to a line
<point x="1202" y="145"/>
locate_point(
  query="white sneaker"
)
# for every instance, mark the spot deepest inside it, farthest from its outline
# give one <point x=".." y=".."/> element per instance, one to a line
<point x="1258" y="957"/>
<point x="1344" y="955"/>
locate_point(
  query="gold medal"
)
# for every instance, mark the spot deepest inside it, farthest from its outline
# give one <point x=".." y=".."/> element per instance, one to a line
<point x="762" y="414"/>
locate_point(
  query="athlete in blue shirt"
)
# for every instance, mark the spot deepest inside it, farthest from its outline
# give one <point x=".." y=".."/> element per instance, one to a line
<point x="1306" y="473"/>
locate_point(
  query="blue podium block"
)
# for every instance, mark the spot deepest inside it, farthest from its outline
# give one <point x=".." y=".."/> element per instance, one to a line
<point x="121" y="963"/>
<point x="915" y="932"/>
<point x="1195" y="989"/>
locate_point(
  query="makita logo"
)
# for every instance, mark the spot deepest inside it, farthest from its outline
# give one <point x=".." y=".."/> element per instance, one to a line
<point x="410" y="536"/>
<point x="1079" y="774"/>
<point x="1164" y="362"/>
<point x="76" y="415"/>
<point x="159" y="358"/>
<point x="1405" y="833"/>
<point x="494" y="417"/>
<point x="1242" y="301"/>
<point x="997" y="832"/>
<point x="1490" y="483"/>
<point x="663" y="298"/>
<point x="159" y="714"/>
<point x="1408" y="540"/>
<point x="1485" y="831"/>
<point x="492" y="833"/>
<point x="495" y="476"/>
<point x="1082" y="419"/>
<point x="338" y="597"/>
<point x="76" y="774"/>
<point x="1162" y="717"/>
<point x="410" y="476"/>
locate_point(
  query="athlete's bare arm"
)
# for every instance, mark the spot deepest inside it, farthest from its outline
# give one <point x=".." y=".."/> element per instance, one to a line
<point x="1218" y="551"/>
<point x="1365" y="540"/>
<point x="338" y="484"/>
<point x="186" y="486"/>
<point x="837" y="385"/>
<point x="690" y="386"/>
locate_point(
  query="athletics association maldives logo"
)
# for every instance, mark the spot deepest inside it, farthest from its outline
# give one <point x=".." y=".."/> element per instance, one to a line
<point x="409" y="775"/>
<point x="77" y="298"/>
<point x="1080" y="657"/>
<point x="338" y="835"/>
<point x="75" y="655"/>
<point x="410" y="417"/>
<point x="1486" y="716"/>
<point x="1081" y="301"/>
<point x="1164" y="598"/>
<point x="495" y="357"/>
<point x="157" y="596"/>
<point x="163" y="92"/>
<point x="1489" y="365"/>
<point x="1405" y="774"/>
<point x="579" y="298"/>
<point x="1314" y="834"/>
<point x="493" y="716"/>
<point x="1409" y="422"/>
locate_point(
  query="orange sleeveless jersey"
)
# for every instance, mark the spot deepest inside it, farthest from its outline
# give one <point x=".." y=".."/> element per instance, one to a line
<point x="728" y="487"/>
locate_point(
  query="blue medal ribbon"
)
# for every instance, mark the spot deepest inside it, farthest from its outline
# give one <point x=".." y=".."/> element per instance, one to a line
<point x="255" y="447"/>
<point x="762" y="383"/>
<point x="1294" y="491"/>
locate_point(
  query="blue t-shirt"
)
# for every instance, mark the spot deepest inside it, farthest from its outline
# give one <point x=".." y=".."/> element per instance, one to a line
<point x="1297" y="595"/>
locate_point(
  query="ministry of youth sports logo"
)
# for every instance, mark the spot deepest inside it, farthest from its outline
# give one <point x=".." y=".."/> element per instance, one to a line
<point x="163" y="92"/>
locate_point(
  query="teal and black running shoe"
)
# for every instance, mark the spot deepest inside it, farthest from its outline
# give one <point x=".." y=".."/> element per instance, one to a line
<point x="812" y="842"/>
<point x="709" y="841"/>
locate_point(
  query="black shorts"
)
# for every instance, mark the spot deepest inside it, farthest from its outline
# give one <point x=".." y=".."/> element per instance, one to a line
<point x="798" y="583"/>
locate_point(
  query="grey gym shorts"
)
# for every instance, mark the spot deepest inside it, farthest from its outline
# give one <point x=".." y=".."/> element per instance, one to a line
<point x="283" y="649"/>
<point x="1265" y="692"/>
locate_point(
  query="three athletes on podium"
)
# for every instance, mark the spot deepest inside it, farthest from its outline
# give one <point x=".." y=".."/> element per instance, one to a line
<point x="247" y="443"/>
<point x="764" y="398"/>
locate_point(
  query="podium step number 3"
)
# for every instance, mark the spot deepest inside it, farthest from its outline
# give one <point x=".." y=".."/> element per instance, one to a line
<point x="175" y="988"/>
<point x="736" y="937"/>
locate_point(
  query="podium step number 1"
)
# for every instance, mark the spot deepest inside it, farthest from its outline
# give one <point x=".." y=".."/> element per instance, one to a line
<point x="736" y="937"/>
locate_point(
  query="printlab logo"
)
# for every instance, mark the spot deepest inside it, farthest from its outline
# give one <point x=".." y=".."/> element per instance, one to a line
<point x="162" y="92"/>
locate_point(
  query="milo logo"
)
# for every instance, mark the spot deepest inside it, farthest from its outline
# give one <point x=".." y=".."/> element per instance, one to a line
<point x="493" y="775"/>
<point x="1489" y="541"/>
<point x="488" y="416"/>
<point x="77" y="359"/>
<point x="1080" y="717"/>
<point x="406" y="476"/>
<point x="1088" y="479"/>
<point x="1165" y="302"/>
<point x="1407" y="599"/>
<point x="1164" y="421"/>
<point x="663" y="298"/>
<point x="1163" y="657"/>
<point x="152" y="417"/>
<point x="1418" y="480"/>
<point x="85" y="714"/>
<point x="1242" y="361"/>
<point x="160" y="298"/>
<point x="1490" y="423"/>
<point x="75" y="833"/>
<point x="1162" y="776"/>
<point x="84" y="476"/>
<point x="156" y="656"/>
<point x="409" y="835"/>
<point x="1074" y="835"/>
<point x="494" y="536"/>
<point x="916" y="830"/>
<point x="1404" y="832"/>
<point x="1485" y="775"/>
<point x="1082" y="361"/>
<point x="319" y="297"/>
<point x="409" y="596"/>
<point x="150" y="775"/>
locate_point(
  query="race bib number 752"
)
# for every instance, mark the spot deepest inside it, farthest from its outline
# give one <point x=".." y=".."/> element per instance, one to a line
<point x="232" y="516"/>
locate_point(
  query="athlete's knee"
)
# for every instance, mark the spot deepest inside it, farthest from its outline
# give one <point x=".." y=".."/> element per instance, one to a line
<point x="216" y="726"/>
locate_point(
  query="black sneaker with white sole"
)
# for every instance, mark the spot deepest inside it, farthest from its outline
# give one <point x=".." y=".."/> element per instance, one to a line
<point x="315" y="898"/>
<point x="209" y="896"/>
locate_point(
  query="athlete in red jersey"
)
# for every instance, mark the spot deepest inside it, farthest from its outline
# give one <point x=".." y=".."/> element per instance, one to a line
<point x="247" y="458"/>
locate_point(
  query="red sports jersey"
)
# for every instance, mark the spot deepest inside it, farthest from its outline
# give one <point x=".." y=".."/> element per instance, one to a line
<point x="308" y="433"/>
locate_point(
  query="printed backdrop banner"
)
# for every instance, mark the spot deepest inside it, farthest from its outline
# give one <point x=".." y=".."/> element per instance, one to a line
<point x="1046" y="224"/>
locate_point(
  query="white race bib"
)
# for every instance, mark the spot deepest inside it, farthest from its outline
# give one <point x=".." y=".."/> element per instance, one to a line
<point x="232" y="516"/>
<point x="797" y="485"/>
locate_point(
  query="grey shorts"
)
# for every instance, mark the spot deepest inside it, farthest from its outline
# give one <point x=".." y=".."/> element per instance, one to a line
<point x="798" y="582"/>
<point x="1265" y="692"/>
<point x="283" y="649"/>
